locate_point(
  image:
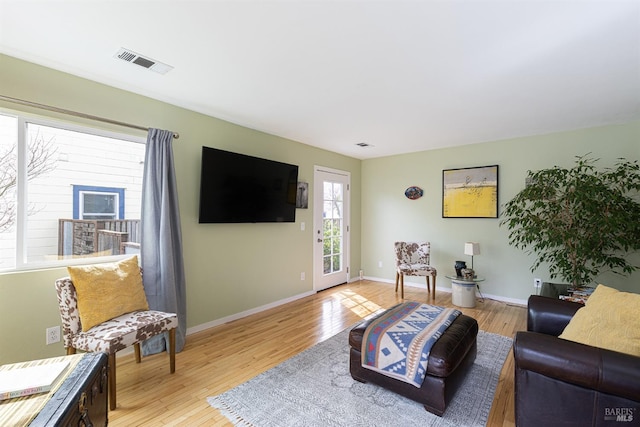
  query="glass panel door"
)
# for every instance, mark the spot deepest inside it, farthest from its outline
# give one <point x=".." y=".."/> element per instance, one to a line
<point x="331" y="227"/>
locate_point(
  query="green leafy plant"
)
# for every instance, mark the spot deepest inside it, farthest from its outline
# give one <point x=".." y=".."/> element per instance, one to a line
<point x="580" y="221"/>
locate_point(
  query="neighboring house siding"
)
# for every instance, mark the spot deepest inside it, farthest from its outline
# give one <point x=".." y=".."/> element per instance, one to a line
<point x="79" y="159"/>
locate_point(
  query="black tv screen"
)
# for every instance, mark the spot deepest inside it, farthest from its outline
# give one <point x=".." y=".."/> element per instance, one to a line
<point x="236" y="188"/>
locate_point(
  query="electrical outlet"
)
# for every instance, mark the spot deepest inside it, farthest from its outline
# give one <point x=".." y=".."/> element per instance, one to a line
<point x="537" y="283"/>
<point x="53" y="335"/>
<point x="379" y="264"/>
<point x="302" y="276"/>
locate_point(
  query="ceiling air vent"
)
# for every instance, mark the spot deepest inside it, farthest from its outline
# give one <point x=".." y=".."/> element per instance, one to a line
<point x="135" y="58"/>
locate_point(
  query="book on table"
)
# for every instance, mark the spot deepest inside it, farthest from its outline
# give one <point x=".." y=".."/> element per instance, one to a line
<point x="30" y="380"/>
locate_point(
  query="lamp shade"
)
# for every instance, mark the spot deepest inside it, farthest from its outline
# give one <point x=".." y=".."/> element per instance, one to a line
<point x="472" y="248"/>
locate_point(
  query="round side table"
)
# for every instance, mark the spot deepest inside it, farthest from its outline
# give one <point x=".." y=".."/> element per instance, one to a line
<point x="463" y="291"/>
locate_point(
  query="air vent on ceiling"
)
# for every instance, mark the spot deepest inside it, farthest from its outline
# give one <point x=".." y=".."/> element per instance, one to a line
<point x="363" y="144"/>
<point x="146" y="62"/>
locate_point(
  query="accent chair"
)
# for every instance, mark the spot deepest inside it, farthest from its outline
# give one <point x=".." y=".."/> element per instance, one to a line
<point x="412" y="259"/>
<point x="112" y="335"/>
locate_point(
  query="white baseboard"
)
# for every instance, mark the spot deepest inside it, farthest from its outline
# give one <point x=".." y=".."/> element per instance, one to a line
<point x="223" y="320"/>
<point x="507" y="300"/>
<point x="236" y="316"/>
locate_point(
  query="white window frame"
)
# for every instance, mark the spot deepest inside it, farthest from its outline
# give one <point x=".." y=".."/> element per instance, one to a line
<point x="82" y="190"/>
<point x="111" y="215"/>
<point x="21" y="187"/>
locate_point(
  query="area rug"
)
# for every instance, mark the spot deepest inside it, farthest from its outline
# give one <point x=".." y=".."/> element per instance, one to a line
<point x="314" y="388"/>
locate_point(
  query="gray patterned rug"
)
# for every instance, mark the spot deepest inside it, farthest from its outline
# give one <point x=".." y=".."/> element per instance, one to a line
<point x="314" y="388"/>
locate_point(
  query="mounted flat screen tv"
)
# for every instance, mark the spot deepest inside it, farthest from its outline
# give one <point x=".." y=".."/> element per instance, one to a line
<point x="236" y="188"/>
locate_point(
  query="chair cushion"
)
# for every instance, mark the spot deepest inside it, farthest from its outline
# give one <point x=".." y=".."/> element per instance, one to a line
<point x="106" y="291"/>
<point x="608" y="320"/>
<point x="416" y="270"/>
<point x="124" y="331"/>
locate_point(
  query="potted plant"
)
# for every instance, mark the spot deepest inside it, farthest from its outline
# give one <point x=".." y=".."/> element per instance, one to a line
<point x="580" y="221"/>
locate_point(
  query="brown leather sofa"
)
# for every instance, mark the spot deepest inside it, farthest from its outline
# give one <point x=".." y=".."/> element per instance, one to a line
<point x="561" y="382"/>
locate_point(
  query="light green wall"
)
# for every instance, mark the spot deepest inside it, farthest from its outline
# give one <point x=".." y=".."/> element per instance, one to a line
<point x="231" y="268"/>
<point x="389" y="216"/>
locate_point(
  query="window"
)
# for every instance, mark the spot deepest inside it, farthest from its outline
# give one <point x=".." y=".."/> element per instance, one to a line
<point x="66" y="192"/>
<point x="98" y="202"/>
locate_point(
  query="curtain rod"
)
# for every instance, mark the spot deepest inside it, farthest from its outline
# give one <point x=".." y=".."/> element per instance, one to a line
<point x="176" y="135"/>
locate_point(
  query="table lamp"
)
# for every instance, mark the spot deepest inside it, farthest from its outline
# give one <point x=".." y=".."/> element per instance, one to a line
<point x="472" y="248"/>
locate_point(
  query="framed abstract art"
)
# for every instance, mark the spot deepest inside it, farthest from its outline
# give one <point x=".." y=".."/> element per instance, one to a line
<point x="470" y="192"/>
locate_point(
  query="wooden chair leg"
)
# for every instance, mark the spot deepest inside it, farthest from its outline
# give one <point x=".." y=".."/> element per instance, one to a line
<point x="172" y="350"/>
<point x="428" y="285"/>
<point x="401" y="285"/>
<point x="71" y="350"/>
<point x="397" y="278"/>
<point x="112" y="381"/>
<point x="433" y="284"/>
<point x="136" y="348"/>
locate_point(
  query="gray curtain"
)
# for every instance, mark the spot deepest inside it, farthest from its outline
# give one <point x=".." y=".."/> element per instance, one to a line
<point x="161" y="238"/>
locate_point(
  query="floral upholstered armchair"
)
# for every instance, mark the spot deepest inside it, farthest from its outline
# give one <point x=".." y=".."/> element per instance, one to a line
<point x="114" y="333"/>
<point x="412" y="259"/>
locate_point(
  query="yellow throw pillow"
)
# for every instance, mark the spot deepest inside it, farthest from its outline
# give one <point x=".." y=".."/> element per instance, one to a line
<point x="108" y="290"/>
<point x="608" y="320"/>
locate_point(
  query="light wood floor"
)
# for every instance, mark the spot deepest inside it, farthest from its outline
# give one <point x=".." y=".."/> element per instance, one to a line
<point x="223" y="357"/>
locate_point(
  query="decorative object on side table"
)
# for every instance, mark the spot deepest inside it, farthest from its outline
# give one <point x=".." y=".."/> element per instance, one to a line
<point x="468" y="274"/>
<point x="459" y="266"/>
<point x="577" y="294"/>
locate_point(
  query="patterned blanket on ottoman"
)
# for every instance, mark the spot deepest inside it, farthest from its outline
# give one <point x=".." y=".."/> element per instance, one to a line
<point x="397" y="344"/>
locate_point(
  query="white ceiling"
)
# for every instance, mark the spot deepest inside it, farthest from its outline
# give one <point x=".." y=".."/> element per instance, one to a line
<point x="402" y="76"/>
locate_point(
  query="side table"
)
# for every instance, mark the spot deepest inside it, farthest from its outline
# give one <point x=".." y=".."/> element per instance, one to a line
<point x="463" y="291"/>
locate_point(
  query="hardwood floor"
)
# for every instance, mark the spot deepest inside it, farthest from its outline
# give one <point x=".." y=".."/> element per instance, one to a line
<point x="223" y="357"/>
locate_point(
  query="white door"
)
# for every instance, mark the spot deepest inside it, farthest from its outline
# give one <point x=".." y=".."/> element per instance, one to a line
<point x="330" y="227"/>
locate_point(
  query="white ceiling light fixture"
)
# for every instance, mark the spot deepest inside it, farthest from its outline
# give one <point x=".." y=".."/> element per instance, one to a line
<point x="135" y="58"/>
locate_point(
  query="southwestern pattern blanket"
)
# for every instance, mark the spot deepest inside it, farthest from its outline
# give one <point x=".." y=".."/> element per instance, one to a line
<point x="397" y="344"/>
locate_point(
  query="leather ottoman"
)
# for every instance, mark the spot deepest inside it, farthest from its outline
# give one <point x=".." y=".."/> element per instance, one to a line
<point x="449" y="360"/>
